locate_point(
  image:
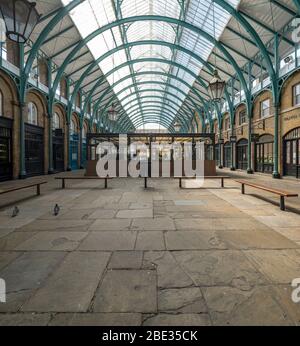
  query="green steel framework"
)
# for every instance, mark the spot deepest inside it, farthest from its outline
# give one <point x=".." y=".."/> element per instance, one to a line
<point x="204" y="111"/>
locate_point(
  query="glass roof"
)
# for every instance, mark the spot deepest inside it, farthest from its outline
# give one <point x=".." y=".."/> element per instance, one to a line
<point x="201" y="13"/>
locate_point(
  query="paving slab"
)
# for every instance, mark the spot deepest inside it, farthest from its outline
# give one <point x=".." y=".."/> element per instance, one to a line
<point x="169" y="272"/>
<point x="178" y="320"/>
<point x="97" y="319"/>
<point x="111" y="225"/>
<point x="279" y="266"/>
<point x="25" y="274"/>
<point x="210" y="268"/>
<point x="102" y="214"/>
<point x="14" y="239"/>
<point x="126" y="260"/>
<point x="233" y="307"/>
<point x="127" y="291"/>
<point x="153" y="240"/>
<point x="135" y="213"/>
<point x="156" y="224"/>
<point x="52" y="241"/>
<point x="192" y="240"/>
<point x="181" y="300"/>
<point x="109" y="241"/>
<point x="72" y="286"/>
<point x="25" y="320"/>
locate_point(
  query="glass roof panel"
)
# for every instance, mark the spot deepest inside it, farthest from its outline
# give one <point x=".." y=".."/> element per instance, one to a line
<point x="204" y="14"/>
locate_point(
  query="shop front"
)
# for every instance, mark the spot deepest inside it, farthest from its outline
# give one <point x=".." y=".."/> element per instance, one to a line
<point x="227" y="155"/>
<point x="242" y="154"/>
<point x="5" y="149"/>
<point x="264" y="154"/>
<point x="34" y="150"/>
<point x="291" y="153"/>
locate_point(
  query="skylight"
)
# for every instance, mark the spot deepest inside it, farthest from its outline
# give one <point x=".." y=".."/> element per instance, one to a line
<point x="200" y="13"/>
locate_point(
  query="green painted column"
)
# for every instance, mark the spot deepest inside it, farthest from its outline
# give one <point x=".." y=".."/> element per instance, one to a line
<point x="22" y="141"/>
<point x="22" y="103"/>
<point x="276" y="99"/>
<point x="50" y="120"/>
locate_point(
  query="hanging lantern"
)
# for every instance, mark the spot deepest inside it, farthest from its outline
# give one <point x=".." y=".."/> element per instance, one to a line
<point x="112" y="113"/>
<point x="177" y="126"/>
<point x="20" y="17"/>
<point x="216" y="87"/>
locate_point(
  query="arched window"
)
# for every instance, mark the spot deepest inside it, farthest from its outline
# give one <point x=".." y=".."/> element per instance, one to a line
<point x="1" y="104"/>
<point x="56" y="122"/>
<point x="32" y="117"/>
<point x="73" y="127"/>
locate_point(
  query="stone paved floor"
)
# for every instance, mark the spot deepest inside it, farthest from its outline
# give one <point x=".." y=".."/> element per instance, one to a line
<point x="126" y="256"/>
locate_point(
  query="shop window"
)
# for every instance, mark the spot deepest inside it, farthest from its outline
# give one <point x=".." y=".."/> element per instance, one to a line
<point x="242" y="117"/>
<point x="32" y="117"/>
<point x="1" y="104"/>
<point x="56" y="122"/>
<point x="265" y="108"/>
<point x="296" y="95"/>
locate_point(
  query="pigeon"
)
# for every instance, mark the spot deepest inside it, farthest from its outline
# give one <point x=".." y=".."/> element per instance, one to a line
<point x="15" y="211"/>
<point x="56" y="210"/>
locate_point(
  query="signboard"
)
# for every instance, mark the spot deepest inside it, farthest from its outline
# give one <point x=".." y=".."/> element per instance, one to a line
<point x="233" y="139"/>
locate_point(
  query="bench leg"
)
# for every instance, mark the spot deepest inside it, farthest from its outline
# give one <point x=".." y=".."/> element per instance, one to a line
<point x="282" y="203"/>
<point x="243" y="189"/>
<point x="63" y="184"/>
<point x="180" y="183"/>
<point x="105" y="183"/>
<point x="222" y="183"/>
<point x="145" y="183"/>
<point x="38" y="190"/>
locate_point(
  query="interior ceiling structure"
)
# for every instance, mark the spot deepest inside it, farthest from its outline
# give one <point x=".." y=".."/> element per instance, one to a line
<point x="150" y="63"/>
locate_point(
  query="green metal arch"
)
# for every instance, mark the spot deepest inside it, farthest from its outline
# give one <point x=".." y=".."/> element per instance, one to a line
<point x="132" y="108"/>
<point x="145" y="83"/>
<point x="186" y="25"/>
<point x="139" y="74"/>
<point x="151" y="110"/>
<point x="140" y="43"/>
<point x="154" y="119"/>
<point x="155" y="116"/>
<point x="146" y="104"/>
<point x="154" y="96"/>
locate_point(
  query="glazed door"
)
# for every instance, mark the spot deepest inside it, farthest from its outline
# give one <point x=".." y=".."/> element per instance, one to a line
<point x="74" y="154"/>
<point x="292" y="159"/>
<point x="227" y="156"/>
<point x="5" y="157"/>
<point x="34" y="150"/>
<point x="58" y="154"/>
<point x="264" y="157"/>
<point x="242" y="157"/>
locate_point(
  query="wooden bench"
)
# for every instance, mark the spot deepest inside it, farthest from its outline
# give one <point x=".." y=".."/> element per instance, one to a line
<point x="25" y="186"/>
<point x="63" y="180"/>
<point x="280" y="193"/>
<point x="222" y="178"/>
